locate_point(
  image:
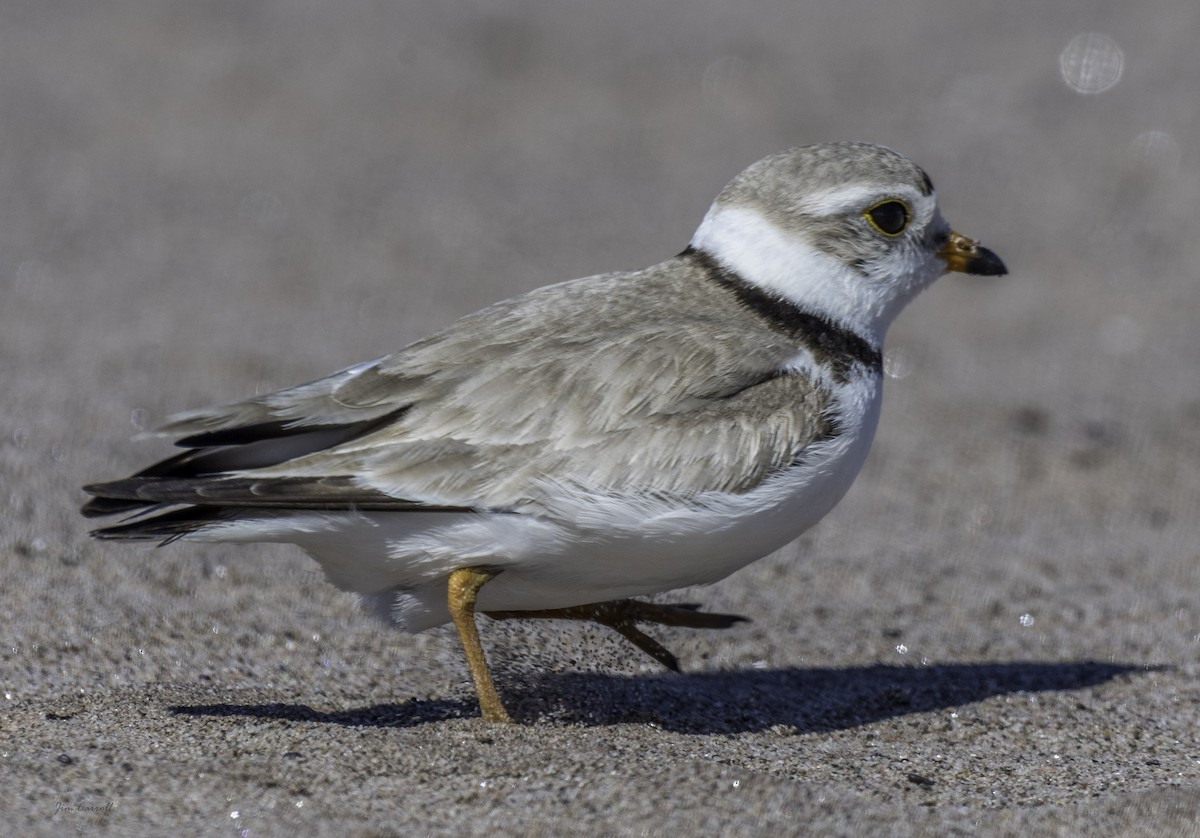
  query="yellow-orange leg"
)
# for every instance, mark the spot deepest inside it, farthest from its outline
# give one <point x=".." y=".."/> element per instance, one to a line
<point x="463" y="589"/>
<point x="622" y="615"/>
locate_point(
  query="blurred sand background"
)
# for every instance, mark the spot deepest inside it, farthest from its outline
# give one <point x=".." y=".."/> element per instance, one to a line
<point x="997" y="632"/>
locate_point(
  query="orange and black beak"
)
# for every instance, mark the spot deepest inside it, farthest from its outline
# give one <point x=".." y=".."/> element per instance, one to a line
<point x="969" y="257"/>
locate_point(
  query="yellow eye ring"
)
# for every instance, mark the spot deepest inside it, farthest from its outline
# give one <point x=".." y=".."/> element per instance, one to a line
<point x="889" y="218"/>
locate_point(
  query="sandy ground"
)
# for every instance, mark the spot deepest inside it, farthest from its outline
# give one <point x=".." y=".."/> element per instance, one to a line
<point x="997" y="632"/>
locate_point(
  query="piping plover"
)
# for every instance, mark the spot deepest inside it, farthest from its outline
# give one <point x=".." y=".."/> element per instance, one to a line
<point x="620" y="435"/>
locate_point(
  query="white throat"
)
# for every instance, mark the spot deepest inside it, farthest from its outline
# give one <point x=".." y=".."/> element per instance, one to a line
<point x="746" y="242"/>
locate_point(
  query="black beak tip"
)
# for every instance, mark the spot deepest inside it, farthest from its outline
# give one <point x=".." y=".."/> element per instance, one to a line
<point x="986" y="263"/>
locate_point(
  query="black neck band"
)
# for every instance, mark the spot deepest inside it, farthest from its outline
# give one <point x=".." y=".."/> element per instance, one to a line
<point x="829" y="343"/>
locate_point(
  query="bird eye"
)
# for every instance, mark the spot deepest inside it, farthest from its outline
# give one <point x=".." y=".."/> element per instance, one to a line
<point x="889" y="217"/>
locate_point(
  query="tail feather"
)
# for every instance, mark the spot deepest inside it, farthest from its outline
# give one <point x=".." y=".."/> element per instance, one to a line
<point x="165" y="527"/>
<point x="101" y="507"/>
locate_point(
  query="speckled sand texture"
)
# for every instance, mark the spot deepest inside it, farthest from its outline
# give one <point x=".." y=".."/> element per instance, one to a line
<point x="998" y="632"/>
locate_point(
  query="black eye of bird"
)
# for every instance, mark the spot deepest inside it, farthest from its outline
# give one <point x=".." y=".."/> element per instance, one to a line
<point x="889" y="217"/>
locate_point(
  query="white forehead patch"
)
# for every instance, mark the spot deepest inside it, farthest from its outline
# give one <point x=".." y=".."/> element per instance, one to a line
<point x="839" y="199"/>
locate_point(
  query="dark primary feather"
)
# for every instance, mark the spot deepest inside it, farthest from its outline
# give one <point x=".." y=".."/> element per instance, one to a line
<point x="275" y="493"/>
<point x="195" y="477"/>
<point x="166" y="527"/>
<point x="333" y="434"/>
<point x="213" y="499"/>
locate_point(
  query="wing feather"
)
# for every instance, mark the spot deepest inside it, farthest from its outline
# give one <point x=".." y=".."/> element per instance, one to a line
<point x="626" y="383"/>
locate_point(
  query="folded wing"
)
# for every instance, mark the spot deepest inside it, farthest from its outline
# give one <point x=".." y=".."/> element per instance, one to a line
<point x="500" y="411"/>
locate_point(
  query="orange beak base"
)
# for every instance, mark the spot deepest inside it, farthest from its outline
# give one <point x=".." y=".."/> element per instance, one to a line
<point x="967" y="256"/>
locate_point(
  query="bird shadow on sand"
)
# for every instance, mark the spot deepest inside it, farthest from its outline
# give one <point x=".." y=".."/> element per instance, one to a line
<point x="738" y="701"/>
